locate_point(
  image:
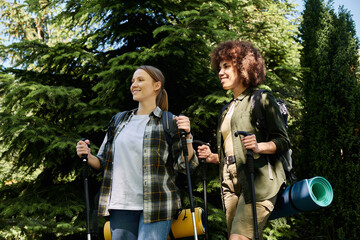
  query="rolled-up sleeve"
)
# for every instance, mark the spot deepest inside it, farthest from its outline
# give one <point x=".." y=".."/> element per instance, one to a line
<point x="101" y="155"/>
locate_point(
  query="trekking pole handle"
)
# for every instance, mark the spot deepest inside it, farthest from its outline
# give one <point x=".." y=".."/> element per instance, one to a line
<point x="201" y="143"/>
<point x="249" y="152"/>
<point x="241" y="133"/>
<point x="84" y="156"/>
<point x="183" y="142"/>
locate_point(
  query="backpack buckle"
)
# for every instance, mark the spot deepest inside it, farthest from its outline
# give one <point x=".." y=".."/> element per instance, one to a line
<point x="230" y="160"/>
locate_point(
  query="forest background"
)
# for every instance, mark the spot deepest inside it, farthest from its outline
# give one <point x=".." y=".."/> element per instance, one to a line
<point x="70" y="68"/>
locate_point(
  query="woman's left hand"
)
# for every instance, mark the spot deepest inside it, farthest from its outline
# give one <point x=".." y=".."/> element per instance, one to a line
<point x="251" y="143"/>
<point x="183" y="122"/>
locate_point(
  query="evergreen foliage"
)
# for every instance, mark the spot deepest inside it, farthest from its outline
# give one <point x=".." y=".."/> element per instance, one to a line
<point x="72" y="67"/>
<point x="330" y="124"/>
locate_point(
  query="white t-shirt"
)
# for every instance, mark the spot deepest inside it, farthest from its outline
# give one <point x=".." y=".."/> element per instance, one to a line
<point x="127" y="181"/>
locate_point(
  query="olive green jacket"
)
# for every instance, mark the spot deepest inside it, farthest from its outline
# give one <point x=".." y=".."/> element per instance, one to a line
<point x="242" y="120"/>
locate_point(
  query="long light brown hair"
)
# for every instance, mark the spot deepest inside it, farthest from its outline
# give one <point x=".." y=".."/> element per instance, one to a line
<point x="157" y="76"/>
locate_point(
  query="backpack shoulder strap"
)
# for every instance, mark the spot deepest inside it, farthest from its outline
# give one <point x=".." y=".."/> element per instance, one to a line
<point x="119" y="117"/>
<point x="284" y="111"/>
<point x="168" y="124"/>
<point x="114" y="122"/>
<point x="257" y="109"/>
<point x="167" y="120"/>
<point x="223" y="109"/>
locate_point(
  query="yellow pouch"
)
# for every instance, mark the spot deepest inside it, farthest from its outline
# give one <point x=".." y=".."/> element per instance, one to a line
<point x="183" y="225"/>
<point x="107" y="232"/>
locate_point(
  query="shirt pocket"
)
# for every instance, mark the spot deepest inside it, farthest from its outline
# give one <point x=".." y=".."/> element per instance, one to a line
<point x="241" y="120"/>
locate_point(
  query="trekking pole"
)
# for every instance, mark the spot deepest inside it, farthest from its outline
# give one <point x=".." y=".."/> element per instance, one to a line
<point x="185" y="153"/>
<point x="250" y="163"/>
<point x="203" y="161"/>
<point x="84" y="158"/>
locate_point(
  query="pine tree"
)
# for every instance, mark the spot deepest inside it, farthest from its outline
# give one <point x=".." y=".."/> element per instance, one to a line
<point x="73" y="63"/>
<point x="330" y="146"/>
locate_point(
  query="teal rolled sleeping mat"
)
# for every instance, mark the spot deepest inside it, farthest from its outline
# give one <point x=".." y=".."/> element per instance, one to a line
<point x="302" y="196"/>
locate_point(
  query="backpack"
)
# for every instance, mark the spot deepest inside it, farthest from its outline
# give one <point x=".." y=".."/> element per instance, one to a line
<point x="260" y="122"/>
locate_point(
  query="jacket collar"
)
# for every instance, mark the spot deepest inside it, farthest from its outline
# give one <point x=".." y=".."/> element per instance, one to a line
<point x="157" y="112"/>
<point x="245" y="93"/>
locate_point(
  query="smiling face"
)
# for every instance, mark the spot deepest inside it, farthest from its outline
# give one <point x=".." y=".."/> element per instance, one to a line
<point x="247" y="61"/>
<point x="143" y="87"/>
<point x="229" y="78"/>
<point x="228" y="75"/>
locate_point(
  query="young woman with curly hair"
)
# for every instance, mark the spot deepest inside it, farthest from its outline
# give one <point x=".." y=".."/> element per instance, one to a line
<point x="241" y="68"/>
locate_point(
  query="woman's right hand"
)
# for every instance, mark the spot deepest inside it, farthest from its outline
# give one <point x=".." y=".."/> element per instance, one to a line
<point x="82" y="148"/>
<point x="204" y="152"/>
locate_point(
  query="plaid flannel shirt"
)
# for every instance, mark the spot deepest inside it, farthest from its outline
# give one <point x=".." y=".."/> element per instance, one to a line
<point x="161" y="195"/>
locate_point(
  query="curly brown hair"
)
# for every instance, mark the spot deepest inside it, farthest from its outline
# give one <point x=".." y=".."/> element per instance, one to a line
<point x="245" y="57"/>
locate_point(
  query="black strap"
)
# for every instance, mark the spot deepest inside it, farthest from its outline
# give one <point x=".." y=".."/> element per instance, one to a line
<point x="167" y="119"/>
<point x="168" y="124"/>
<point x="257" y="109"/>
<point x="114" y="122"/>
<point x="223" y="108"/>
<point x="291" y="176"/>
<point x="171" y="235"/>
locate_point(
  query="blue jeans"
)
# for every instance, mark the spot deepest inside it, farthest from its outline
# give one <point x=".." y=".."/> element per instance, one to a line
<point x="128" y="225"/>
